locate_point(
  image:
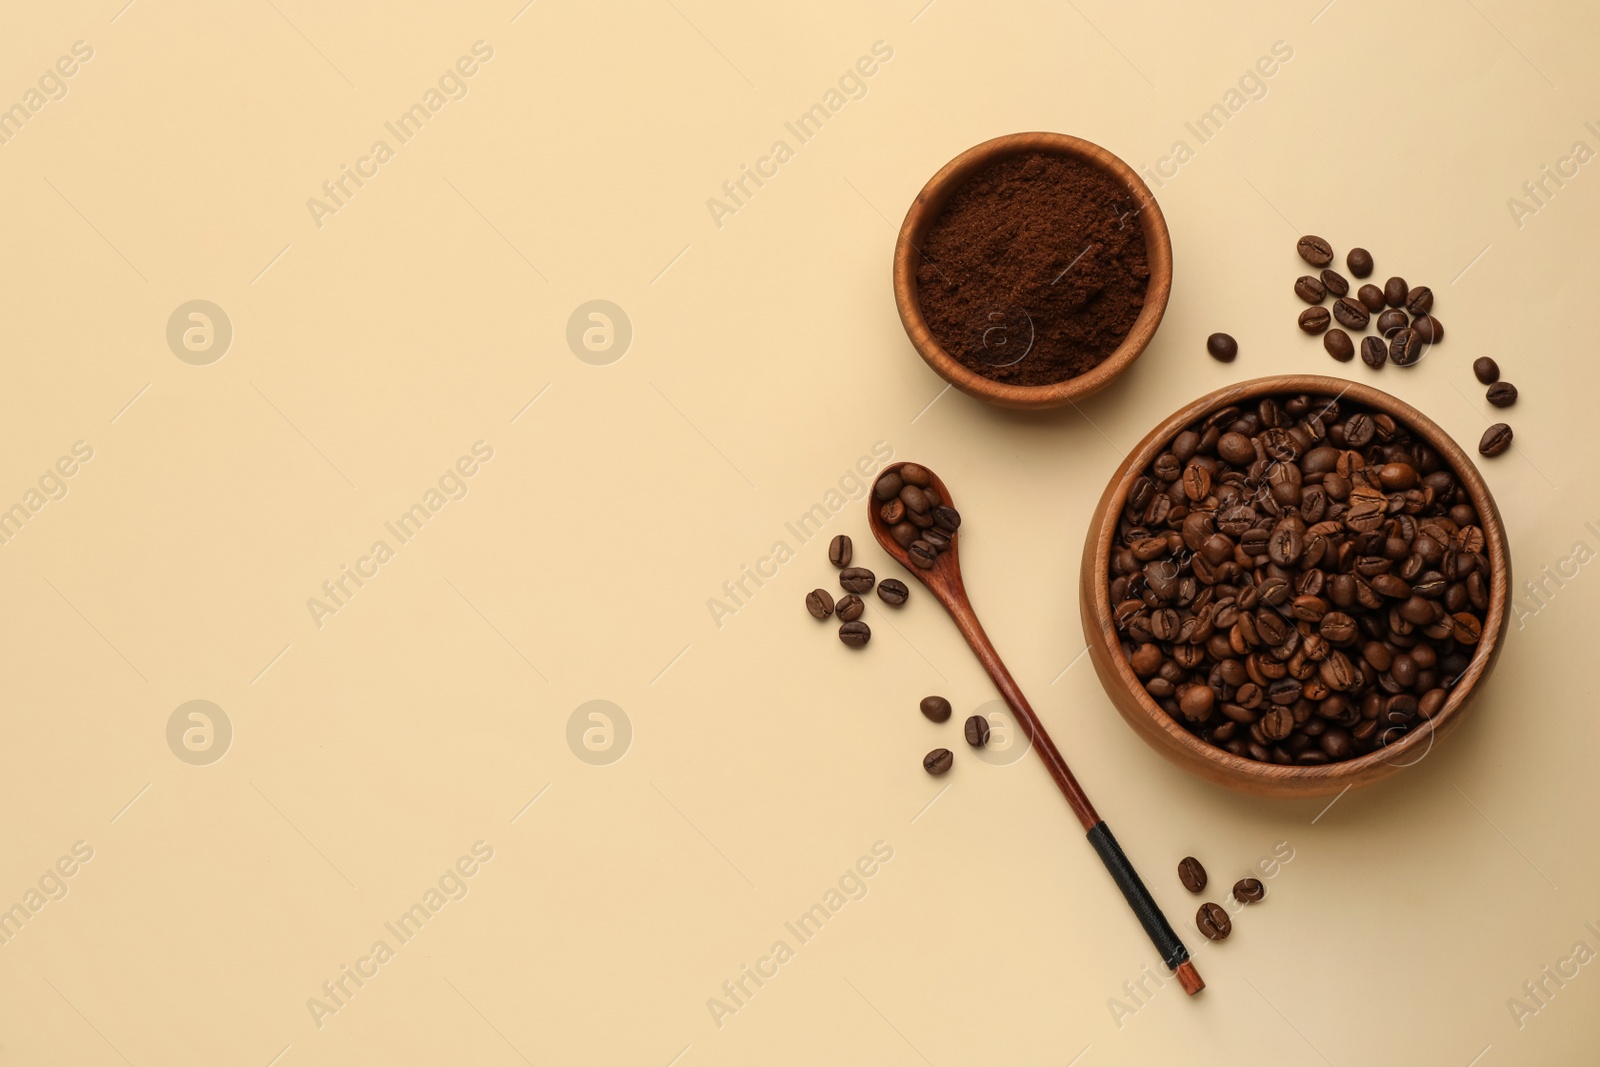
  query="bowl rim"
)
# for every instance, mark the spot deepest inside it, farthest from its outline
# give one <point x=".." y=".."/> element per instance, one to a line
<point x="1248" y="772"/>
<point x="930" y="203"/>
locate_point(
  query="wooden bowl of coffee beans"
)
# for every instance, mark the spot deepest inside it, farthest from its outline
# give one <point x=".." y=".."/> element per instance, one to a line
<point x="1032" y="270"/>
<point x="1295" y="585"/>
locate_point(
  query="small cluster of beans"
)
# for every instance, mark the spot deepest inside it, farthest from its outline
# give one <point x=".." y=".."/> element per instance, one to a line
<point x="976" y="730"/>
<point x="1212" y="919"/>
<point x="1299" y="582"/>
<point x="854" y="581"/>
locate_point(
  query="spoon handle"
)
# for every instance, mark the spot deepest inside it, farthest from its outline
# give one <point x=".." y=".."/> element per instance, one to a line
<point x="1173" y="952"/>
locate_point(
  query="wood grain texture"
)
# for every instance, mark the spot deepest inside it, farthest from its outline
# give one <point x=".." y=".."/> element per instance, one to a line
<point x="1175" y="742"/>
<point x="925" y="211"/>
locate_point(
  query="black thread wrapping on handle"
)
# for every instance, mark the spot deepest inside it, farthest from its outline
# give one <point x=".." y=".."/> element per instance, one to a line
<point x="1139" y="899"/>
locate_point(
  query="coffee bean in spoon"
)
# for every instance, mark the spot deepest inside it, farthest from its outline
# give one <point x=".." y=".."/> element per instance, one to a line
<point x="850" y="608"/>
<point x="922" y="554"/>
<point x="856" y="580"/>
<point x="938" y="761"/>
<point x="1222" y="347"/>
<point x="840" y="550"/>
<point x="976" y="731"/>
<point x="1248" y="890"/>
<point x="894" y="512"/>
<point x="887" y="487"/>
<point x="855" y="634"/>
<point x="947" y="518"/>
<point x="1486" y="370"/>
<point x="1192" y="874"/>
<point x="893" y="591"/>
<point x="1315" y="251"/>
<point x="1502" y="394"/>
<point x="820" y="603"/>
<point x="936" y="709"/>
<point x="1213" y="922"/>
<point x="915" y="474"/>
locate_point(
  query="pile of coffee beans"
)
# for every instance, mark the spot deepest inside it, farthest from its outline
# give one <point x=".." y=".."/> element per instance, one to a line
<point x="917" y="516"/>
<point x="1212" y="919"/>
<point x="854" y="581"/>
<point x="1404" y="322"/>
<point x="1298" y="582"/>
<point x="976" y="729"/>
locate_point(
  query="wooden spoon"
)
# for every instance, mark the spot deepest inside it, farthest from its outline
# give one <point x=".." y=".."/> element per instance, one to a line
<point x="943" y="579"/>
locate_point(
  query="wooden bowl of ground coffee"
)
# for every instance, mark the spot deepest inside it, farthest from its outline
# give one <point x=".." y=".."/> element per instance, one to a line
<point x="1032" y="269"/>
<point x="1295" y="585"/>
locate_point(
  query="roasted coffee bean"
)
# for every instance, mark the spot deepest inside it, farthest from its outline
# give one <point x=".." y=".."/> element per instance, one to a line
<point x="914" y="474"/>
<point x="1314" y="319"/>
<point x="1419" y="301"/>
<point x="1213" y="921"/>
<point x="947" y="518"/>
<point x="1394" y="292"/>
<point x="1338" y="345"/>
<point x="1310" y="289"/>
<point x="856" y="580"/>
<point x="1371" y="298"/>
<point x="1391" y="320"/>
<point x="1192" y="874"/>
<point x="1222" y="347"/>
<point x="1374" y="353"/>
<point x="1335" y="283"/>
<point x="887" y="487"/>
<point x="922" y="554"/>
<point x="937" y="538"/>
<point x="850" y="607"/>
<point x="976" y="731"/>
<point x="1359" y="260"/>
<point x="840" y="550"/>
<point x="1248" y="890"/>
<point x="1496" y="439"/>
<point x="1486" y="369"/>
<point x="936" y="709"/>
<point x="1351" y="313"/>
<point x="820" y="603"/>
<point x="855" y="634"/>
<point x="1315" y="251"/>
<point x="1405" y="348"/>
<point x="1502" y="394"/>
<point x="1428" y="328"/>
<point x="914" y="499"/>
<point x="893" y="513"/>
<point x="938" y="761"/>
<point x="893" y="591"/>
<point x="903" y="533"/>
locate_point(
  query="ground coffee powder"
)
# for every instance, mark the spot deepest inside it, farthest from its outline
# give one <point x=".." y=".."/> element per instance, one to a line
<point x="1035" y="271"/>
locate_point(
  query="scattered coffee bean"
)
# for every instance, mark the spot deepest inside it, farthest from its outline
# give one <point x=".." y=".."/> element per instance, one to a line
<point x="1419" y="301"/>
<point x="1339" y="345"/>
<point x="1496" y="439"/>
<point x="856" y="580"/>
<point x="1359" y="260"/>
<point x="1213" y="921"/>
<point x="820" y="603"/>
<point x="1309" y="289"/>
<point x="1405" y="347"/>
<point x="1371" y="298"/>
<point x="1374" y="353"/>
<point x="855" y="634"/>
<point x="893" y="591"/>
<point x="1248" y="890"/>
<point x="1335" y="283"/>
<point x="1320" y="595"/>
<point x="977" y="731"/>
<point x="1315" y="251"/>
<point x="1351" y="313"/>
<point x="1429" y="329"/>
<point x="937" y="709"/>
<point x="938" y="761"/>
<point x="1394" y="292"/>
<point x="1502" y="394"/>
<point x="850" y="607"/>
<point x="1486" y="369"/>
<point x="1192" y="874"/>
<point x="1391" y="320"/>
<point x="1314" y="319"/>
<point x="840" y="550"/>
<point x="1222" y="347"/>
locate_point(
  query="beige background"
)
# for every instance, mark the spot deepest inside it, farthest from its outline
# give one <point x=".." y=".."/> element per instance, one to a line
<point x="372" y="752"/>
